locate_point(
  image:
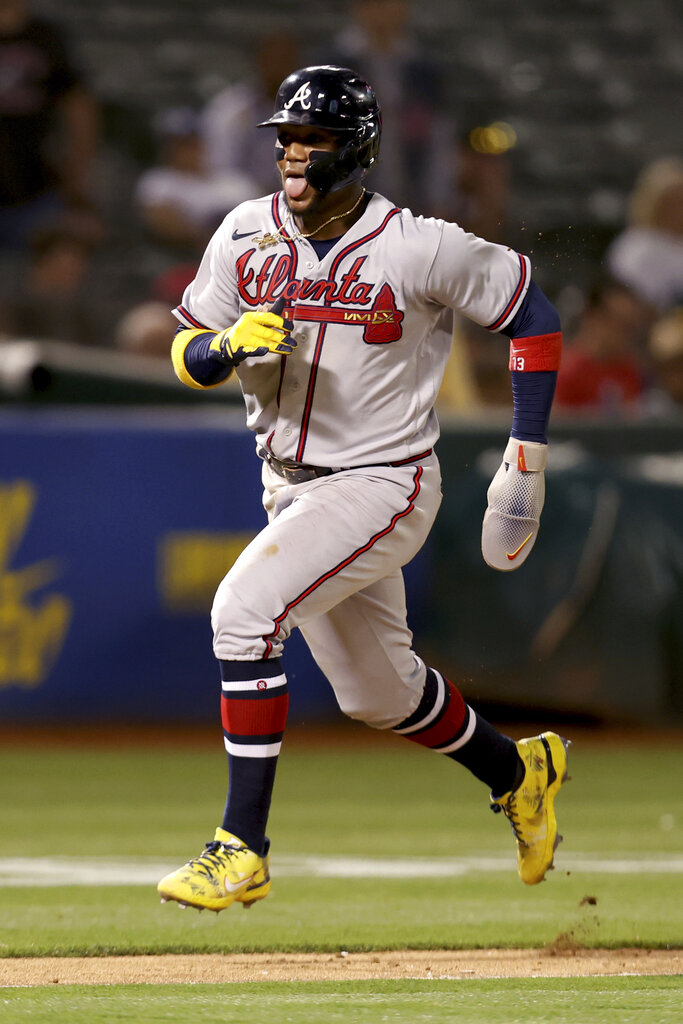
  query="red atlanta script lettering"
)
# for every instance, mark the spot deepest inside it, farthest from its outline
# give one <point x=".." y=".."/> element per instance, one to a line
<point x="264" y="286"/>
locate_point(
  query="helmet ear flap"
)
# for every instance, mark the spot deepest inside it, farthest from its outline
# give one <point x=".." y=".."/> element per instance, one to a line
<point x="330" y="171"/>
<point x="366" y="145"/>
<point x="367" y="142"/>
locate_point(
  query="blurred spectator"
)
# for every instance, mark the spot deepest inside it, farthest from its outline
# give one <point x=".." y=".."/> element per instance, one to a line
<point x="148" y="327"/>
<point x="604" y="365"/>
<point x="648" y="255"/>
<point x="665" y="348"/>
<point x="53" y="299"/>
<point x="415" y="168"/>
<point x="181" y="204"/>
<point x="169" y="286"/>
<point x="482" y="182"/>
<point x="147" y="330"/>
<point x="232" y="141"/>
<point x="48" y="129"/>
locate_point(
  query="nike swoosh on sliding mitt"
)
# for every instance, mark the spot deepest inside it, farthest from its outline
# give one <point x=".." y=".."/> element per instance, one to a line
<point x="515" y="501"/>
<point x="511" y="555"/>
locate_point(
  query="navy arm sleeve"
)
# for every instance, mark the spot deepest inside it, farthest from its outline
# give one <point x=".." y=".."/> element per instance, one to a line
<point x="535" y="344"/>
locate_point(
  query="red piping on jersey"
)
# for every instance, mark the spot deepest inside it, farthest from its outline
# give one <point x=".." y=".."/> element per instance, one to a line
<point x="513" y="301"/>
<point x="321" y="334"/>
<point x="343" y="564"/>
<point x="305" y="419"/>
<point x="283" y="362"/>
<point x="361" y="241"/>
<point x="274" y="209"/>
<point x="193" y="320"/>
<point x="285" y="237"/>
<point x="279" y="224"/>
<point x="295" y="261"/>
<point x="412" y="458"/>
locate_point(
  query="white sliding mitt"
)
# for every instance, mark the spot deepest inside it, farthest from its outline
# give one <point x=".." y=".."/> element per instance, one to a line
<point x="515" y="502"/>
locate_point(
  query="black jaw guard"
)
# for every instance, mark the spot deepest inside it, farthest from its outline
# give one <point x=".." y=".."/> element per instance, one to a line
<point x="331" y="171"/>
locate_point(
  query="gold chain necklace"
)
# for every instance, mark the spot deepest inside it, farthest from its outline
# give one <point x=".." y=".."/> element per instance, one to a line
<point x="272" y="238"/>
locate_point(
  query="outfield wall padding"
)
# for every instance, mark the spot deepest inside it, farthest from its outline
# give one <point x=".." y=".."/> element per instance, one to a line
<point x="116" y="525"/>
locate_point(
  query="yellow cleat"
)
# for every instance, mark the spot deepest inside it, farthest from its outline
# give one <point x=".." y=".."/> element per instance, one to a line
<point x="529" y="808"/>
<point x="226" y="872"/>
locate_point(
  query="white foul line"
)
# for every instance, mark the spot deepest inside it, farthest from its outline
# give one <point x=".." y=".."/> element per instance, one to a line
<point x="40" y="872"/>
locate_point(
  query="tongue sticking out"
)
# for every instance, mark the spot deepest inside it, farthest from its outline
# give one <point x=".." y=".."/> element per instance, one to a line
<point x="294" y="187"/>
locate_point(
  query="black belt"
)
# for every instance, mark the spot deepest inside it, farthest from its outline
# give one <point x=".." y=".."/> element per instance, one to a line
<point x="299" y="473"/>
<point x="295" y="472"/>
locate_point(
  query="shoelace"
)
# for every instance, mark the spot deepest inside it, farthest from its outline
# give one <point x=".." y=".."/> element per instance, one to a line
<point x="510" y="811"/>
<point x="214" y="856"/>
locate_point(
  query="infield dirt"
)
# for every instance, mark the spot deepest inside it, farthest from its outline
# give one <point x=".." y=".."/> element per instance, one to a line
<point x="429" y="964"/>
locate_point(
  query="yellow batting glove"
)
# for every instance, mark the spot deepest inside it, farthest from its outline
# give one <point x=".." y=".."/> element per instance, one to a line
<point x="254" y="334"/>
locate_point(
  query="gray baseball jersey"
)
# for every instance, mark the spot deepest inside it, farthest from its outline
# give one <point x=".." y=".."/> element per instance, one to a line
<point x="372" y="337"/>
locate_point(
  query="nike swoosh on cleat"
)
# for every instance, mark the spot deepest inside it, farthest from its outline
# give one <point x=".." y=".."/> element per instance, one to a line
<point x="243" y="234"/>
<point x="512" y="555"/>
<point x="236" y="886"/>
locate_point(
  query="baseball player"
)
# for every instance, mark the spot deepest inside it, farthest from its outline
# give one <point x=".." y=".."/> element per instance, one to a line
<point x="331" y="305"/>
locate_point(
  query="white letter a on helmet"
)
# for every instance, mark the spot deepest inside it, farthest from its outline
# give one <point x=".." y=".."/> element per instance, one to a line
<point x="302" y="96"/>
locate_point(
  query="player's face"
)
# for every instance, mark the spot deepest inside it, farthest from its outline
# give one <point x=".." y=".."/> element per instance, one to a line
<point x="298" y="141"/>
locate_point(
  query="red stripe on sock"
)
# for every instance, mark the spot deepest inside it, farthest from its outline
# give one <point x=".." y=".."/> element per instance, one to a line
<point x="254" y="717"/>
<point x="448" y="726"/>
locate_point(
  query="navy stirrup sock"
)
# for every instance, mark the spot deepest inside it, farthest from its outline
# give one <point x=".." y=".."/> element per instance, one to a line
<point x="254" y="704"/>
<point x="443" y="722"/>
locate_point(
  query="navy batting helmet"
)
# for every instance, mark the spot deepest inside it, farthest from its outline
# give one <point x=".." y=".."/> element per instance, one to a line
<point x="340" y="100"/>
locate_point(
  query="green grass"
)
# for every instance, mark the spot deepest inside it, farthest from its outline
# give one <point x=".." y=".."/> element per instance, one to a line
<point x="393" y="800"/>
<point x="541" y="1001"/>
<point x="328" y="914"/>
